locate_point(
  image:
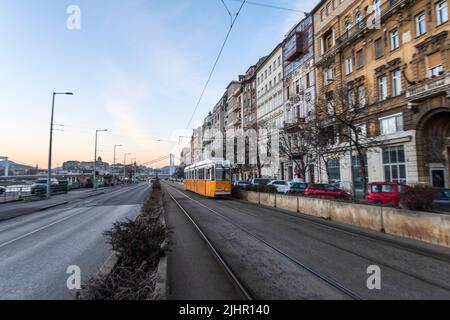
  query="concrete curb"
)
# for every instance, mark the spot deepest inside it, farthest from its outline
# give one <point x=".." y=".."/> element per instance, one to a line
<point x="54" y="206"/>
<point x="108" y="265"/>
<point x="11" y="201"/>
<point x="161" y="275"/>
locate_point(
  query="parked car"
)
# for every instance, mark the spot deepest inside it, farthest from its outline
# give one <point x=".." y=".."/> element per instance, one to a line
<point x="386" y="193"/>
<point x="326" y="190"/>
<point x="241" y="184"/>
<point x="259" y="181"/>
<point x="281" y="185"/>
<point x="297" y="187"/>
<point x="40" y="186"/>
<point x="442" y="203"/>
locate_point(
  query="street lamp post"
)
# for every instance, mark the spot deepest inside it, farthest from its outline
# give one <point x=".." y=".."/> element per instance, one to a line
<point x="49" y="173"/>
<point x="125" y="164"/>
<point x="95" y="159"/>
<point x="133" y="163"/>
<point x="114" y="162"/>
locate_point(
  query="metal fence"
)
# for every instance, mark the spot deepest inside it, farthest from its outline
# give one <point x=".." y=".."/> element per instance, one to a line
<point x="15" y="192"/>
<point x="25" y="192"/>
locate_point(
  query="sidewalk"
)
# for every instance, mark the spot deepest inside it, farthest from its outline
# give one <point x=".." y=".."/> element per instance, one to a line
<point x="16" y="209"/>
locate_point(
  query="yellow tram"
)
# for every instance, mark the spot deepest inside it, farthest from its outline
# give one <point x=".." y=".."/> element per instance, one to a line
<point x="210" y="178"/>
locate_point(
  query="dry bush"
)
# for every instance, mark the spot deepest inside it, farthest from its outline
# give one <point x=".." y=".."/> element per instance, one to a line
<point x="139" y="245"/>
<point x="419" y="197"/>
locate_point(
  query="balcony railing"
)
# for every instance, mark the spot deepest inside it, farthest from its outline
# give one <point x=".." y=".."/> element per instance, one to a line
<point x="352" y="33"/>
<point x="429" y="88"/>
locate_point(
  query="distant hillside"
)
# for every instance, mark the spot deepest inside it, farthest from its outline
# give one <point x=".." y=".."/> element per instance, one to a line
<point x="15" y="166"/>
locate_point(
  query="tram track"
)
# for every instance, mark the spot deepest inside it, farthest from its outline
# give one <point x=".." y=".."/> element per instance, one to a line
<point x="325" y="279"/>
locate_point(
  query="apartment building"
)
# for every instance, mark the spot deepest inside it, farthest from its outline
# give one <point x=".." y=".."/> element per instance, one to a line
<point x="185" y="156"/>
<point x="299" y="92"/>
<point x="391" y="60"/>
<point x="269" y="101"/>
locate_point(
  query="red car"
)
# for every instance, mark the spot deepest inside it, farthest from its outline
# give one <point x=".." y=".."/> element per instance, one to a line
<point x="386" y="193"/>
<point x="326" y="190"/>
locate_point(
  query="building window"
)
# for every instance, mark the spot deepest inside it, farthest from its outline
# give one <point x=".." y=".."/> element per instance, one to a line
<point x="391" y="124"/>
<point x="351" y="100"/>
<point x="396" y="82"/>
<point x="435" y="71"/>
<point x="358" y="21"/>
<point x="441" y="12"/>
<point x="356" y="168"/>
<point x="394" y="164"/>
<point x="321" y="14"/>
<point x="394" y="39"/>
<point x="362" y="96"/>
<point x="377" y="8"/>
<point x="421" y="27"/>
<point x="434" y="64"/>
<point x="328" y="8"/>
<point x="334" y="171"/>
<point x="328" y="76"/>
<point x="382" y="88"/>
<point x="378" y="47"/>
<point x="348" y="65"/>
<point x="348" y="27"/>
<point x="359" y="58"/>
<point x="330" y="103"/>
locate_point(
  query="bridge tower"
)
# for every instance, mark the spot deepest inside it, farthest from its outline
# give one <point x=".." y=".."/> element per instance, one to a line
<point x="172" y="164"/>
<point x="6" y="165"/>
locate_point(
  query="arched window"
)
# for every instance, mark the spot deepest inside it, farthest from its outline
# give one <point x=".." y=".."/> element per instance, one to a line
<point x="358" y="20"/>
<point x="348" y="27"/>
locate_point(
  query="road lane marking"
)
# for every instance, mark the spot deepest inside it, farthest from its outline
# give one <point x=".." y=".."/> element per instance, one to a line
<point x="49" y="225"/>
<point x="37" y="230"/>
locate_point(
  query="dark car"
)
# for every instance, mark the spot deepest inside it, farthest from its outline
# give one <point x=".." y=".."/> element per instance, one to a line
<point x="39" y="187"/>
<point x="442" y="203"/>
<point x="241" y="184"/>
<point x="260" y="181"/>
<point x="326" y="190"/>
<point x="298" y="187"/>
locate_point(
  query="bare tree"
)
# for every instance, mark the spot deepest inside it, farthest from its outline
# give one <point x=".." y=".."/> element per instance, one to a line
<point x="343" y="116"/>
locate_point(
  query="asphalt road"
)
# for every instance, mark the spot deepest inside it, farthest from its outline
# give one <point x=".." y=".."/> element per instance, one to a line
<point x="37" y="249"/>
<point x="251" y="237"/>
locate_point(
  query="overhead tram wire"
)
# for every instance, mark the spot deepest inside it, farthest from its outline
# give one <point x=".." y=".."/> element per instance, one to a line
<point x="216" y="62"/>
<point x="271" y="6"/>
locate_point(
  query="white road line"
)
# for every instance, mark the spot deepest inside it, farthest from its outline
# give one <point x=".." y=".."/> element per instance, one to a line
<point x="53" y="223"/>
<point x="39" y="229"/>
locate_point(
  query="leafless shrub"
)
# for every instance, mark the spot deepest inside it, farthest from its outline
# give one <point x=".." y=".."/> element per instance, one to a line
<point x="419" y="197"/>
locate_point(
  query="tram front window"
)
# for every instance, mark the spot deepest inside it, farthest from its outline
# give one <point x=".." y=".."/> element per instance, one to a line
<point x="223" y="174"/>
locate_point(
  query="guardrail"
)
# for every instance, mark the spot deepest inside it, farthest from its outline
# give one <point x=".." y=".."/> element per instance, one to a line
<point x="25" y="192"/>
<point x="14" y="193"/>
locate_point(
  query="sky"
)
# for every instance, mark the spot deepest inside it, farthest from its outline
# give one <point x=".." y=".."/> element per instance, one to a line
<point x="136" y="68"/>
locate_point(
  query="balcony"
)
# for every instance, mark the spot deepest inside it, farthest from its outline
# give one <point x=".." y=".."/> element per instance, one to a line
<point x="234" y="121"/>
<point x="294" y="47"/>
<point x="352" y="33"/>
<point x="429" y="88"/>
<point x="390" y="7"/>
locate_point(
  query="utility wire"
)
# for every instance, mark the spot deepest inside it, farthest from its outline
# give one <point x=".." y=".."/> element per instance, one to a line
<point x="215" y="63"/>
<point x="259" y="4"/>
<point x="228" y="10"/>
